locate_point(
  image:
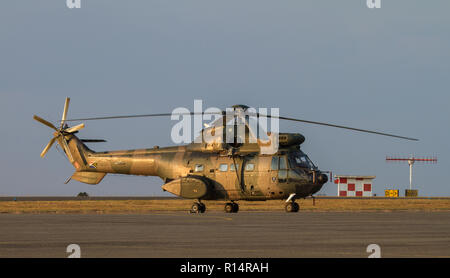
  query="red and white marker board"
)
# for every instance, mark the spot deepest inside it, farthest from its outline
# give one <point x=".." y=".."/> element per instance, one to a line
<point x="354" y="186"/>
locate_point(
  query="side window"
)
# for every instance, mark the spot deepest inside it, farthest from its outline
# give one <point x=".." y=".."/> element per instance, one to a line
<point x="232" y="167"/>
<point x="250" y="167"/>
<point x="198" y="168"/>
<point x="223" y="167"/>
<point x="282" y="176"/>
<point x="274" y="165"/>
<point x="282" y="173"/>
<point x="283" y="164"/>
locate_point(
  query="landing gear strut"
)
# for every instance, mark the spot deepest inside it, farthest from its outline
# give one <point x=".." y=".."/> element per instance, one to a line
<point x="231" y="207"/>
<point x="198" y="207"/>
<point x="292" y="206"/>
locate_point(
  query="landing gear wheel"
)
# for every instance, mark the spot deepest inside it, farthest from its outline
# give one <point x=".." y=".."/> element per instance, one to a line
<point x="231" y="207"/>
<point x="202" y="208"/>
<point x="235" y="207"/>
<point x="198" y="208"/>
<point x="296" y="207"/>
<point x="292" y="207"/>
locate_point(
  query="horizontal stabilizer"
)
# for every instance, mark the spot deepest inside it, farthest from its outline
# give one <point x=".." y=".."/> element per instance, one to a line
<point x="88" y="177"/>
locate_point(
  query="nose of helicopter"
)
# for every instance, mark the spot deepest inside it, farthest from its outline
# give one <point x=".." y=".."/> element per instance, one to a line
<point x="322" y="178"/>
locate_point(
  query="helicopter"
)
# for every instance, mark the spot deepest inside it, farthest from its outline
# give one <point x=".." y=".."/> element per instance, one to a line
<point x="214" y="170"/>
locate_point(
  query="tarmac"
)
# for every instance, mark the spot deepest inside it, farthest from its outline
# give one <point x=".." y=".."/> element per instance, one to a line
<point x="216" y="234"/>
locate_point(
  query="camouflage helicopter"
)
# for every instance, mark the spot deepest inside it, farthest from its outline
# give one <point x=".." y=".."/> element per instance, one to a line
<point x="208" y="170"/>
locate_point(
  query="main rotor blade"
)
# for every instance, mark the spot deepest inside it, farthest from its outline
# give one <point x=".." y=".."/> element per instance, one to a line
<point x="49" y="145"/>
<point x="250" y="114"/>
<point x="66" y="108"/>
<point x="339" y="126"/>
<point x="142" y="116"/>
<point x="42" y="121"/>
<point x="74" y="128"/>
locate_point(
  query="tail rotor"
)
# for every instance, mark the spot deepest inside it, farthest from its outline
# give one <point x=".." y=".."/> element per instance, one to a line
<point x="60" y="133"/>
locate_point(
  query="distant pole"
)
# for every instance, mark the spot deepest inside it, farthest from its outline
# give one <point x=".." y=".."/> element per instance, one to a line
<point x="411" y="163"/>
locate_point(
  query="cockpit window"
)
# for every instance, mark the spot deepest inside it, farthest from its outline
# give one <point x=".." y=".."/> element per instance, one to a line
<point x="274" y="164"/>
<point x="283" y="165"/>
<point x="300" y="159"/>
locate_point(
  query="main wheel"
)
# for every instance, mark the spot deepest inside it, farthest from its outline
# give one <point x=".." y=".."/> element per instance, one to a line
<point x="229" y="207"/>
<point x="296" y="207"/>
<point x="202" y="208"/>
<point x="235" y="207"/>
<point x="292" y="207"/>
<point x="196" y="208"/>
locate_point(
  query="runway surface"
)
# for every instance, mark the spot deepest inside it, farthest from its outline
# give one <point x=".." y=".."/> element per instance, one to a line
<point x="214" y="234"/>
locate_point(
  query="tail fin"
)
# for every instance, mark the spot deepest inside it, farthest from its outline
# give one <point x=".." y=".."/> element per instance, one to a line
<point x="74" y="148"/>
<point x="61" y="134"/>
<point x="76" y="151"/>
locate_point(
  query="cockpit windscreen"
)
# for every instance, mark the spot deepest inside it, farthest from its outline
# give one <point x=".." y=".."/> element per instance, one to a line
<point x="300" y="159"/>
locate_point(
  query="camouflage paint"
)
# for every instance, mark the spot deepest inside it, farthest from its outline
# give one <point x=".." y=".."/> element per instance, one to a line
<point x="174" y="163"/>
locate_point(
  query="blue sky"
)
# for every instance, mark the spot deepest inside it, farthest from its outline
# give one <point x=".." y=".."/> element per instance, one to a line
<point x="383" y="69"/>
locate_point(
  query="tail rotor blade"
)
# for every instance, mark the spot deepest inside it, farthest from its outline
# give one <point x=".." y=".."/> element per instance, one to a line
<point x="74" y="128"/>
<point x="67" y="150"/>
<point x="93" y="140"/>
<point x="66" y="108"/>
<point x="42" y="121"/>
<point x="49" y="145"/>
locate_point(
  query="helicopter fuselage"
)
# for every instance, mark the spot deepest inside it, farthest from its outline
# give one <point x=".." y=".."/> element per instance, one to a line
<point x="213" y="176"/>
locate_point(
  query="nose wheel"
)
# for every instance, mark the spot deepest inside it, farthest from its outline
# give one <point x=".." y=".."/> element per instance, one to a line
<point x="231" y="207"/>
<point x="198" y="207"/>
<point x="292" y="207"/>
